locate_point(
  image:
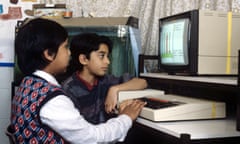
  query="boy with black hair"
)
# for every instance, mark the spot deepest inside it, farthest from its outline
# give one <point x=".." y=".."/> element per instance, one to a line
<point x="95" y="92"/>
<point x="41" y="111"/>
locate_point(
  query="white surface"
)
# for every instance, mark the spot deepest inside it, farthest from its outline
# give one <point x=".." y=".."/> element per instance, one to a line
<point x="3" y="126"/>
<point x="6" y="77"/>
<point x="5" y="103"/>
<point x="7" y="30"/>
<point x="190" y="109"/>
<point x="124" y="95"/>
<point x="201" y="129"/>
<point x="210" y="79"/>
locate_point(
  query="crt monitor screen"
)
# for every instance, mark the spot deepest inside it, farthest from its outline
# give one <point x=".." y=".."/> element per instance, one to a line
<point x="173" y="44"/>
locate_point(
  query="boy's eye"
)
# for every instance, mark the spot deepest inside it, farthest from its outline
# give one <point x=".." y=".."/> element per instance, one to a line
<point x="101" y="55"/>
<point x="67" y="46"/>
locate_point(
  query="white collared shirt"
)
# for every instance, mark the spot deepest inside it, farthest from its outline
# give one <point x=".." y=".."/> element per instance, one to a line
<point x="60" y="114"/>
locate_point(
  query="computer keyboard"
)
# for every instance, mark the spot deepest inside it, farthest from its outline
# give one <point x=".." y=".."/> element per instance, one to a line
<point x="163" y="107"/>
<point x="155" y="103"/>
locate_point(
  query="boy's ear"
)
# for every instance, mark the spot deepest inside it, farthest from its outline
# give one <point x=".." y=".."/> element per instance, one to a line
<point x="82" y="59"/>
<point x="47" y="55"/>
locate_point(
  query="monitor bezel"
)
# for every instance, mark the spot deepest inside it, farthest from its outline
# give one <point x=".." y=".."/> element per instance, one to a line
<point x="191" y="68"/>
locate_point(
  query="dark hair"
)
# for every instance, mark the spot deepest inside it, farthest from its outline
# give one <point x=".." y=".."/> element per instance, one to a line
<point x="86" y="43"/>
<point x="33" y="38"/>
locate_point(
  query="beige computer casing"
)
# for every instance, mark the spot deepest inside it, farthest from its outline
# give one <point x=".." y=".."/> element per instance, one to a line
<point x="219" y="42"/>
<point x="190" y="109"/>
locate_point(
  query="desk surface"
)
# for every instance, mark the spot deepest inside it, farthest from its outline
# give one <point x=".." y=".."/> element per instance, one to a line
<point x="209" y="79"/>
<point x="201" y="129"/>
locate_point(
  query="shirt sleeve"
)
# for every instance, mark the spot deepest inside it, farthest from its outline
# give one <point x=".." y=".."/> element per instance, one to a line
<point x="60" y="114"/>
<point x="113" y="80"/>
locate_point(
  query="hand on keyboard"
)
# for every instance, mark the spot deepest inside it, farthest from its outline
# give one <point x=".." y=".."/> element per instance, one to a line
<point x="155" y="103"/>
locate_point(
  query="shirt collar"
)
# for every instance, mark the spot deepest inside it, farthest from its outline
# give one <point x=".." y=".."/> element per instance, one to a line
<point x="87" y="84"/>
<point x="48" y="77"/>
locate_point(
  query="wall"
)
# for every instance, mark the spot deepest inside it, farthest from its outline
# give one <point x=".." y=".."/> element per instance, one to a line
<point x="6" y="74"/>
<point x="6" y="77"/>
<point x="7" y="30"/>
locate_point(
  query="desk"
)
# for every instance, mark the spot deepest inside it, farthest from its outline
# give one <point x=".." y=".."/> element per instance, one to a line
<point x="227" y="80"/>
<point x="220" y="131"/>
<point x="214" y="88"/>
<point x="202" y="129"/>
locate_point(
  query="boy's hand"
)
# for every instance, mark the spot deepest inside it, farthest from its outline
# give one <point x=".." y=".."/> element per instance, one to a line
<point x="111" y="99"/>
<point x="132" y="108"/>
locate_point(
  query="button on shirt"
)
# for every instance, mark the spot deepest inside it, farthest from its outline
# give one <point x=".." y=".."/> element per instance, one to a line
<point x="60" y="114"/>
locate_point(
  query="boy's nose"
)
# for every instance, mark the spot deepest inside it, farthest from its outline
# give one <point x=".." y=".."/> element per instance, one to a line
<point x="108" y="61"/>
<point x="69" y="52"/>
